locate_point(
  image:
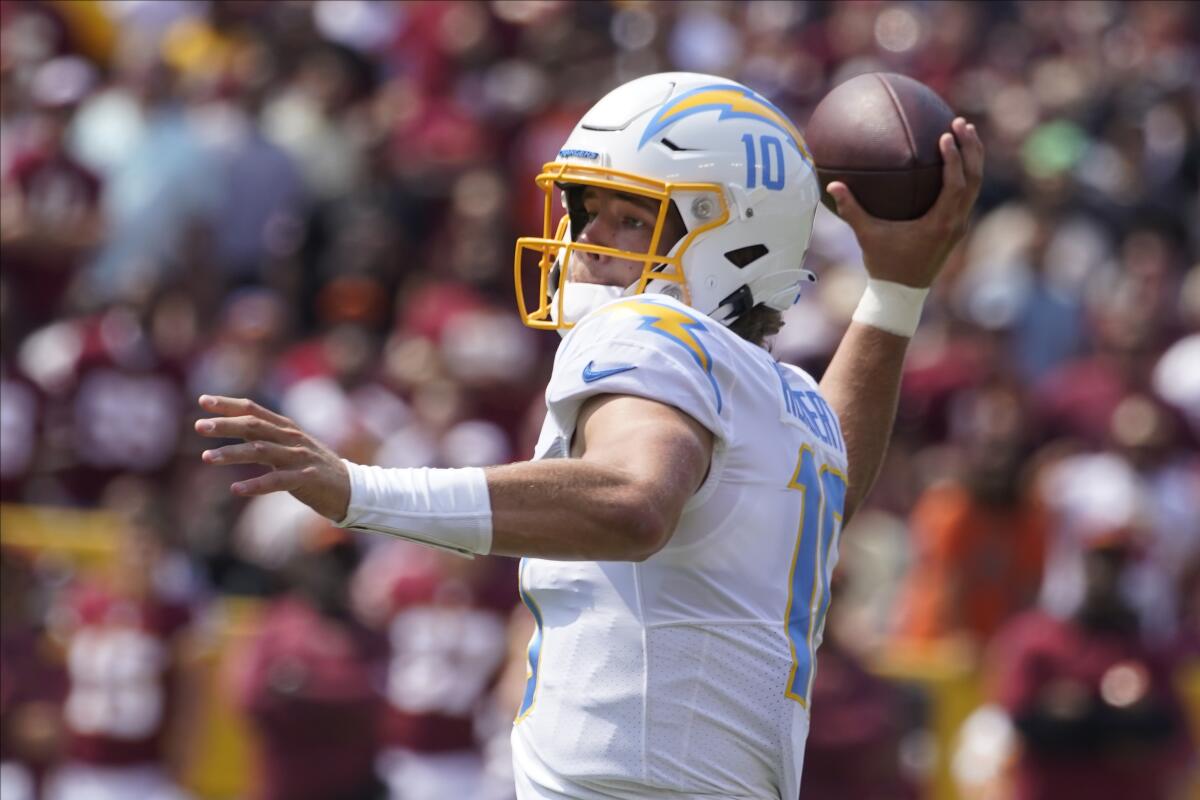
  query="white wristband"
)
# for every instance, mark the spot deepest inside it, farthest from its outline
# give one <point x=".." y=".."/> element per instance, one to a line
<point x="891" y="307"/>
<point x="449" y="509"/>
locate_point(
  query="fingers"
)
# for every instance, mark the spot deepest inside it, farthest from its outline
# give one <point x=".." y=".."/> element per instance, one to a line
<point x="240" y="406"/>
<point x="952" y="162"/>
<point x="258" y="452"/>
<point x="954" y="200"/>
<point x="847" y="206"/>
<point x="278" y="481"/>
<point x="972" y="151"/>
<point x="247" y="427"/>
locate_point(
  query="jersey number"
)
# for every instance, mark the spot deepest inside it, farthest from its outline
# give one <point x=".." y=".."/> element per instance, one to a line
<point x="444" y="659"/>
<point x="823" y="494"/>
<point x="116" y="683"/>
<point x="772" y="162"/>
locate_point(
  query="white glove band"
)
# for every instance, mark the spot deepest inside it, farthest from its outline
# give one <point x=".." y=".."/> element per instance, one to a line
<point x="891" y="307"/>
<point x="449" y="509"/>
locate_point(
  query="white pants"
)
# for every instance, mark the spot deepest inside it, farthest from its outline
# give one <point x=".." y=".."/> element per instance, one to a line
<point x="91" y="782"/>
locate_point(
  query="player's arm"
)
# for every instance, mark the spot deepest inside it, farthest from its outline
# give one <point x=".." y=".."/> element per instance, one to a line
<point x="636" y="462"/>
<point x="862" y="382"/>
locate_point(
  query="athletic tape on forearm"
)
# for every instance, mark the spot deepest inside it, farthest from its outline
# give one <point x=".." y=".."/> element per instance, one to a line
<point x="891" y="307"/>
<point x="445" y="508"/>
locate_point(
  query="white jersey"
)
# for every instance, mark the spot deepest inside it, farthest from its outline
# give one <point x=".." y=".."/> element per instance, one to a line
<point x="688" y="674"/>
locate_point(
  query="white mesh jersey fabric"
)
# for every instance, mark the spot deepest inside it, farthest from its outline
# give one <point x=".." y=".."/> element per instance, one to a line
<point x="686" y="675"/>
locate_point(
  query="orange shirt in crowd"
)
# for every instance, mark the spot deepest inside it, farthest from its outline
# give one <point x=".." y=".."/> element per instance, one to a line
<point x="975" y="566"/>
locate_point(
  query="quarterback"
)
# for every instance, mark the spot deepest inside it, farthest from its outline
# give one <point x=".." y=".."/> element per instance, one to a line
<point x="679" y="522"/>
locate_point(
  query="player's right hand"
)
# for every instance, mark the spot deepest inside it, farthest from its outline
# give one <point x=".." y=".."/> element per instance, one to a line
<point x="298" y="463"/>
<point x="912" y="252"/>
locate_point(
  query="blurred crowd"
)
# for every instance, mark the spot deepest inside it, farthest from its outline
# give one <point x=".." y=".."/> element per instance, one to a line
<point x="314" y="204"/>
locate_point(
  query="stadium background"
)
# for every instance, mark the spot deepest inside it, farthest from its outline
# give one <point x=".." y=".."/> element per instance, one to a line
<point x="314" y="204"/>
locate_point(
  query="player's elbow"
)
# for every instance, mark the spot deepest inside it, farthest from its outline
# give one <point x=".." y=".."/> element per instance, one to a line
<point x="646" y="524"/>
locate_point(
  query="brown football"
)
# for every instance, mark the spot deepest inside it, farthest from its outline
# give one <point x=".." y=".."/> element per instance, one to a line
<point x="878" y="134"/>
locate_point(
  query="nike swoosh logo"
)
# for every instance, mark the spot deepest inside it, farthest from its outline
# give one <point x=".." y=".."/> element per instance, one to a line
<point x="591" y="375"/>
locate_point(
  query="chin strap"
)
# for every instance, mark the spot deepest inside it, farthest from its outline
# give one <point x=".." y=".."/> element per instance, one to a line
<point x="738" y="302"/>
<point x="778" y="291"/>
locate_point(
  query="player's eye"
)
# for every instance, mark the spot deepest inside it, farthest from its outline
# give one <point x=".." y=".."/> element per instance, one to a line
<point x="633" y="223"/>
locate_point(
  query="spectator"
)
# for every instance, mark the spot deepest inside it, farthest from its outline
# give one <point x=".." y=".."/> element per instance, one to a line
<point x="307" y="121"/>
<point x="446" y="618"/>
<point x="129" y="707"/>
<point x="258" y="216"/>
<point x="162" y="188"/>
<point x="1096" y="490"/>
<point x="114" y="404"/>
<point x="52" y="219"/>
<point x="979" y="539"/>
<point x="310" y="681"/>
<point x="1094" y="707"/>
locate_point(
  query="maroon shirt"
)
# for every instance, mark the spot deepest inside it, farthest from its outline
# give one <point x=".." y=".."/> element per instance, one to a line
<point x="1078" y="398"/>
<point x="854" y="733"/>
<point x="58" y="193"/>
<point x="1036" y="651"/>
<point x="123" y="677"/>
<point x="309" y="684"/>
<point x="447" y="626"/>
<point x="119" y="409"/>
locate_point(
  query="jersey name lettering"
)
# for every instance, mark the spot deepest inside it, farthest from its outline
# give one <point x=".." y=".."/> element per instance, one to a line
<point x="811" y="409"/>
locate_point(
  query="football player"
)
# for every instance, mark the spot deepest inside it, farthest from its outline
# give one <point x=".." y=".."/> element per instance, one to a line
<point x="679" y="521"/>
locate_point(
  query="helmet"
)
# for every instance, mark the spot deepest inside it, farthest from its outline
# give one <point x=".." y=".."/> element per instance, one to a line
<point x="732" y="166"/>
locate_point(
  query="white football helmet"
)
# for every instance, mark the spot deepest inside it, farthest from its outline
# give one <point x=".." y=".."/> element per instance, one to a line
<point x="735" y="168"/>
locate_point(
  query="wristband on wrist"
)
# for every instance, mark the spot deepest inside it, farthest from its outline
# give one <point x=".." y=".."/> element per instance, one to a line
<point x="448" y="509"/>
<point x="891" y="307"/>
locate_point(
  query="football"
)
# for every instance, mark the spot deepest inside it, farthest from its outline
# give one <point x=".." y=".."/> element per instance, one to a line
<point x="878" y="134"/>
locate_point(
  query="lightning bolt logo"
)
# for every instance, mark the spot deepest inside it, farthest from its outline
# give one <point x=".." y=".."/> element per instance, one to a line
<point x="677" y="326"/>
<point x="734" y="102"/>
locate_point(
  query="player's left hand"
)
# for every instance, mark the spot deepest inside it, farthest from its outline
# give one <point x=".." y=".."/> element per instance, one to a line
<point x="298" y="463"/>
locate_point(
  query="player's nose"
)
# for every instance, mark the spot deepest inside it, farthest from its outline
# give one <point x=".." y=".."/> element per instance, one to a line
<point x="597" y="232"/>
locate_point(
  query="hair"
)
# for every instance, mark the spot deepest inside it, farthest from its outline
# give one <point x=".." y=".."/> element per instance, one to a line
<point x="760" y="321"/>
<point x="757" y="324"/>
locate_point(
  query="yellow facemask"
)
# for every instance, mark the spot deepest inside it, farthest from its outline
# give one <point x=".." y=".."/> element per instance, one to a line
<point x="557" y="250"/>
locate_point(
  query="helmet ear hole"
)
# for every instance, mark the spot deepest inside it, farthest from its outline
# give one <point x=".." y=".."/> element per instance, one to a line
<point x="675" y="224"/>
<point x="743" y="257"/>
